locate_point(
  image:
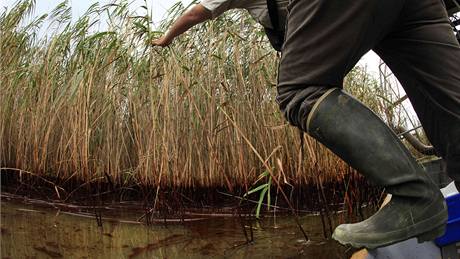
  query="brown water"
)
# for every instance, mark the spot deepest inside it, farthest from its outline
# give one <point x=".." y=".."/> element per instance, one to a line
<point x="32" y="231"/>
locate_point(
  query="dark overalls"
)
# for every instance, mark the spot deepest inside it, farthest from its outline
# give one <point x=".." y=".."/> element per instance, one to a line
<point x="326" y="38"/>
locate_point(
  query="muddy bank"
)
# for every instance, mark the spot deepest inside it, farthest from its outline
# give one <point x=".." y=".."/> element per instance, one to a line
<point x="350" y="193"/>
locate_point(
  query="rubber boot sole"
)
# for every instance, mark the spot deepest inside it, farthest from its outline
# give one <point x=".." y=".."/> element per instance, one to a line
<point x="432" y="234"/>
<point x="435" y="229"/>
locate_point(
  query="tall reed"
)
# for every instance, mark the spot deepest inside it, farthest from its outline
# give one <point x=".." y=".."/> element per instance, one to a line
<point x="84" y="104"/>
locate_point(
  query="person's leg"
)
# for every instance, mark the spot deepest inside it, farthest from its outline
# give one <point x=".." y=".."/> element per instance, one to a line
<point x="425" y="56"/>
<point x="365" y="142"/>
<point x="325" y="38"/>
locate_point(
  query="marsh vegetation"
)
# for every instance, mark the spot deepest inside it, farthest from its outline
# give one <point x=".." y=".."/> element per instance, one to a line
<point x="90" y="109"/>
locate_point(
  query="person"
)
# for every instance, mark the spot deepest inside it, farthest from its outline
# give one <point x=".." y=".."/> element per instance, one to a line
<point x="323" y="41"/>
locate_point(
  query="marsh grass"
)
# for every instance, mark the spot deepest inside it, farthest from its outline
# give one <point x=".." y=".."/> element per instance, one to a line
<point x="81" y="104"/>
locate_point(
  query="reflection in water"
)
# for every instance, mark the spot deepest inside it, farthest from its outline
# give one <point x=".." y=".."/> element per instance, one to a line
<point x="29" y="231"/>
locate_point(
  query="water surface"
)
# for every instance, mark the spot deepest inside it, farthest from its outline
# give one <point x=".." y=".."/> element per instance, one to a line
<point x="33" y="231"/>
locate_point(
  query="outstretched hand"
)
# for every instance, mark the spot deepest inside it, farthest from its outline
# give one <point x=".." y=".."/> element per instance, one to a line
<point x="162" y="41"/>
<point x="197" y="14"/>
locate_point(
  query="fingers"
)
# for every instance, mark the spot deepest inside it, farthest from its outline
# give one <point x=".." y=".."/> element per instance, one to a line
<point x="162" y="42"/>
<point x="156" y="43"/>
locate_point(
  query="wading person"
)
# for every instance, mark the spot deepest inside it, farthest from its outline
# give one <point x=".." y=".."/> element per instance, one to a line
<point x="324" y="39"/>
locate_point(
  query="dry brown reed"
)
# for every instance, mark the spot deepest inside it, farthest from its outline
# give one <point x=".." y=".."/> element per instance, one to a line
<point x="80" y="104"/>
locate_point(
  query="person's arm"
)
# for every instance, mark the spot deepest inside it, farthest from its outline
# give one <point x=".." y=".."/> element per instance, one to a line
<point x="197" y="14"/>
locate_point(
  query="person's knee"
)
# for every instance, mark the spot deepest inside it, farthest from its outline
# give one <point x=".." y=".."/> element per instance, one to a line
<point x="296" y="102"/>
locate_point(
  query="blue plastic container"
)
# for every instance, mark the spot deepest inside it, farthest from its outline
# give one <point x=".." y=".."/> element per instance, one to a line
<point x="452" y="234"/>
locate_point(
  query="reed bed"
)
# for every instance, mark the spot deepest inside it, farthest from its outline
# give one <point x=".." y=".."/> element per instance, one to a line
<point x="93" y="105"/>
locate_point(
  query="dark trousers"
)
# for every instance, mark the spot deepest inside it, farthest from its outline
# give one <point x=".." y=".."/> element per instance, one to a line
<point x="326" y="38"/>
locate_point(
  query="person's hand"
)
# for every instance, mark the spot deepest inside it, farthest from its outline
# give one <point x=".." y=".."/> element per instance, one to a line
<point x="162" y="41"/>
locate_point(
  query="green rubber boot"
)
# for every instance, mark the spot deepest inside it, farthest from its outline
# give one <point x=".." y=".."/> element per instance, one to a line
<point x="360" y="138"/>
